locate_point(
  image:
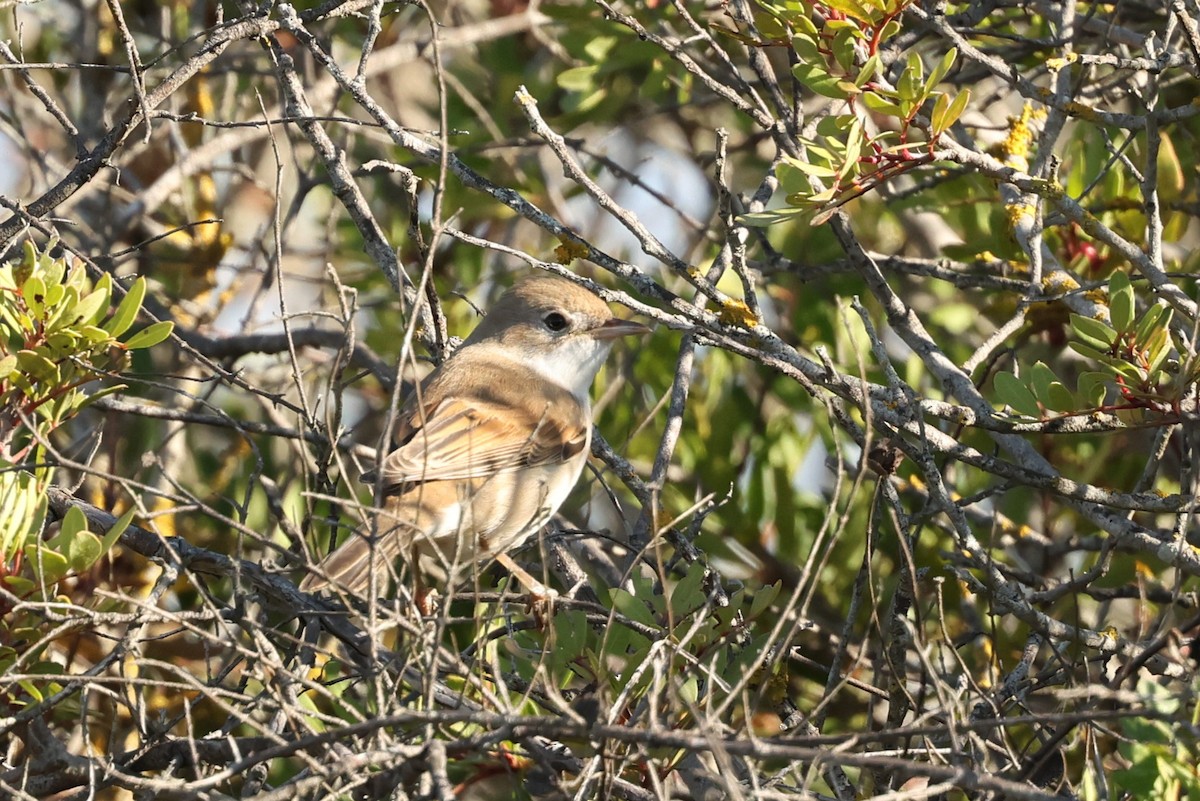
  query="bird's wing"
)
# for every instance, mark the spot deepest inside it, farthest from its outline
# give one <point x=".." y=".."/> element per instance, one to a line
<point x="463" y="438"/>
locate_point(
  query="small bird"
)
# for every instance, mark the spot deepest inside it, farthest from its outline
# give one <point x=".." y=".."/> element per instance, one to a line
<point x="489" y="445"/>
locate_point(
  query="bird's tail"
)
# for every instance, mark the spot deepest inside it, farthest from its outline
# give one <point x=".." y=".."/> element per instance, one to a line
<point x="349" y="568"/>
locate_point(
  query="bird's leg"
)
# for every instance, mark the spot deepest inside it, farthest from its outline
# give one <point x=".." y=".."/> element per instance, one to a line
<point x="424" y="597"/>
<point x="541" y="597"/>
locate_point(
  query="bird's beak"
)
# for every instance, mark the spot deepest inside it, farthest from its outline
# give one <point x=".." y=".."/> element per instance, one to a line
<point x="616" y="328"/>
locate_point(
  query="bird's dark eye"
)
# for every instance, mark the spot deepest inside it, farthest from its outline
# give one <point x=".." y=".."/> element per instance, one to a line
<point x="555" y="321"/>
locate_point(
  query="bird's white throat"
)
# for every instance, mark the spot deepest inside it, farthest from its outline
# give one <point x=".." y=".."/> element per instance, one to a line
<point x="571" y="364"/>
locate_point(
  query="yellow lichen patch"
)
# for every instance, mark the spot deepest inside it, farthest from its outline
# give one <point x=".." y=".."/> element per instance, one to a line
<point x="1059" y="282"/>
<point x="736" y="312"/>
<point x="1056" y="64"/>
<point x="1017" y="144"/>
<point x="569" y="250"/>
<point x="164" y="524"/>
<point x="1016" y="212"/>
<point x="1076" y="109"/>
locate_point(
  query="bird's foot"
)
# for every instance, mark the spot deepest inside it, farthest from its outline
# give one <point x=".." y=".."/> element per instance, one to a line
<point x="427" y="601"/>
<point x="541" y="605"/>
<point x="541" y="597"/>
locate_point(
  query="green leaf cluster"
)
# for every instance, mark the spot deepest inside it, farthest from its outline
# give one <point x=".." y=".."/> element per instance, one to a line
<point x="1161" y="758"/>
<point x="73" y="550"/>
<point x="617" y="65"/>
<point x="1132" y="353"/>
<point x="840" y="60"/>
<point x="57" y="336"/>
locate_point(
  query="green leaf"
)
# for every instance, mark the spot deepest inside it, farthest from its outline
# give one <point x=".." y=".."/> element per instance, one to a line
<point x="808" y="168"/>
<point x="34" y="363"/>
<point x="1120" y="301"/>
<point x="582" y="102"/>
<point x="19" y="380"/>
<point x="763" y="599"/>
<point x="150" y="335"/>
<point x="868" y="72"/>
<point x="821" y="82"/>
<point x="1093" y="332"/>
<point x="104" y="287"/>
<point x="62" y="344"/>
<point x="687" y="595"/>
<point x="1120" y="367"/>
<point x="7" y="365"/>
<point x="1016" y="395"/>
<point x="851" y="9"/>
<point x="600" y="48"/>
<point x="833" y="127"/>
<point x="16" y="497"/>
<point x="48" y="565"/>
<point x="60" y="306"/>
<point x="1156" y="317"/>
<point x="843" y="48"/>
<point x="957" y="107"/>
<point x="34" y="294"/>
<point x="52" y="269"/>
<point x="19" y="586"/>
<point x="570" y="636"/>
<point x="804" y="24"/>
<point x="40" y="690"/>
<point x="889" y="30"/>
<point x="941" y="106"/>
<point x="32" y="690"/>
<point x="631" y="607"/>
<point x="837" y="26"/>
<point x="1158" y="347"/>
<point x="94" y="334"/>
<point x="943" y="67"/>
<point x="127" y="312"/>
<point x="578" y="79"/>
<point x="1059" y="398"/>
<point x="1093" y="388"/>
<point x="1084" y="349"/>
<point x="807" y="51"/>
<point x="55" y="294"/>
<point x="854" y="144"/>
<point x="816" y="152"/>
<point x="103" y="392"/>
<point x="73" y="522"/>
<point x="1040" y="378"/>
<point x="762" y="219"/>
<point x="84" y="551"/>
<point x="91" y="308"/>
<point x="877" y="103"/>
<point x="910" y="86"/>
